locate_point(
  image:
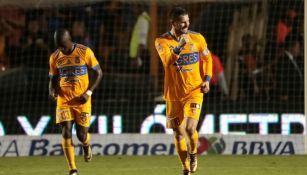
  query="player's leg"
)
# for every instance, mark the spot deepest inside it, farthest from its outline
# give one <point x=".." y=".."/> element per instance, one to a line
<point x="193" y="142"/>
<point x="65" y="118"/>
<point x="174" y="112"/>
<point x="68" y="146"/>
<point x="85" y="137"/>
<point x="192" y="109"/>
<point x="181" y="148"/>
<point x="82" y="125"/>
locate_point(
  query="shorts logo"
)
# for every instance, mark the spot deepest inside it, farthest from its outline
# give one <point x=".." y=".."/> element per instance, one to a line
<point x="84" y="117"/>
<point x="194" y="108"/>
<point x="195" y="105"/>
<point x="63" y="114"/>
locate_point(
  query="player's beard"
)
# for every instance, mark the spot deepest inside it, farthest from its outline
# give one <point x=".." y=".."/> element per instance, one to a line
<point x="185" y="30"/>
<point x="181" y="31"/>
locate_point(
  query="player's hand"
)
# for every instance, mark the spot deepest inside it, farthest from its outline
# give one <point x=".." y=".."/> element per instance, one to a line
<point x="52" y="95"/>
<point x="205" y="87"/>
<point x="183" y="40"/>
<point x="82" y="99"/>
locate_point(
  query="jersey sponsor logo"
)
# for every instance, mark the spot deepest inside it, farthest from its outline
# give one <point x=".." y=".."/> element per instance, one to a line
<point x="187" y="59"/>
<point x="72" y="71"/>
<point x="71" y="80"/>
<point x="182" y="69"/>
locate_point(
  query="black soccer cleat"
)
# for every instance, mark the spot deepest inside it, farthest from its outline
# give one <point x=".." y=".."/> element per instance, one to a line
<point x="186" y="172"/>
<point x="193" y="162"/>
<point x="87" y="150"/>
<point x="73" y="172"/>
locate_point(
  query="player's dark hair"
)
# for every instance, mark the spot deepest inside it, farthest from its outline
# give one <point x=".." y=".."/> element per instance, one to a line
<point x="176" y="12"/>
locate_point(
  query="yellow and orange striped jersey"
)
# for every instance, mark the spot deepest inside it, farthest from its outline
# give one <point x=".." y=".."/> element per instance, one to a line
<point x="72" y="69"/>
<point x="183" y="71"/>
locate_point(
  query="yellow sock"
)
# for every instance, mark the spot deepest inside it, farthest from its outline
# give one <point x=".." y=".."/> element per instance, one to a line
<point x="87" y="140"/>
<point x="193" y="143"/>
<point x="69" y="152"/>
<point x="181" y="147"/>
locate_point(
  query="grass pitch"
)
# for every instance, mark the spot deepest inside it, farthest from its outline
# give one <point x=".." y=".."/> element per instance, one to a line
<point x="157" y="165"/>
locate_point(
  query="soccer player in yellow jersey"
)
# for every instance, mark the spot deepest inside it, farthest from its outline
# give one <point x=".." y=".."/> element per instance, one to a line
<point x="69" y="85"/>
<point x="181" y="51"/>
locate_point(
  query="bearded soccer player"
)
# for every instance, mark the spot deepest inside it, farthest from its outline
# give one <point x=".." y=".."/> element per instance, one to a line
<point x="181" y="51"/>
<point x="69" y="85"/>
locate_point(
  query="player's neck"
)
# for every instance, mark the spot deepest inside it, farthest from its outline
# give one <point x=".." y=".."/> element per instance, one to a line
<point x="69" y="48"/>
<point x="177" y="35"/>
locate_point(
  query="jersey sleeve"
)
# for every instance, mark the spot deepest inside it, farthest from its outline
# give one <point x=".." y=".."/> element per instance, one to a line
<point x="90" y="59"/>
<point x="166" y="54"/>
<point x="52" y="67"/>
<point x="206" y="57"/>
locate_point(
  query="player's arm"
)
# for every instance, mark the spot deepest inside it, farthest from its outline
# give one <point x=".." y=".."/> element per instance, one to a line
<point x="206" y="57"/>
<point x="169" y="55"/>
<point x="97" y="78"/>
<point x="92" y="63"/>
<point x="53" y="87"/>
<point x="53" y="80"/>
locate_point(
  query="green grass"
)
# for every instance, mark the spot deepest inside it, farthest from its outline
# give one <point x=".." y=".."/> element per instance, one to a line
<point x="157" y="165"/>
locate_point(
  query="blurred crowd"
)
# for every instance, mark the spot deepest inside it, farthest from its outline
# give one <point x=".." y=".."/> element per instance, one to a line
<point x="26" y="37"/>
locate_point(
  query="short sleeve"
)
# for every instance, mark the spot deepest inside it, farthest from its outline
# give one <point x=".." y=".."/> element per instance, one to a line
<point x="52" y="67"/>
<point x="90" y="59"/>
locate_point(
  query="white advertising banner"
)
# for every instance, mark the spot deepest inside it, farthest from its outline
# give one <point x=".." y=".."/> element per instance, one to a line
<point x="154" y="144"/>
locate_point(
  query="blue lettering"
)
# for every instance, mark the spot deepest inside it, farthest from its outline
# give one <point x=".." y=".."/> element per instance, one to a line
<point x="287" y="149"/>
<point x="39" y="146"/>
<point x="135" y="148"/>
<point x="13" y="144"/>
<point x="254" y="147"/>
<point x="189" y="58"/>
<point x="241" y="146"/>
<point x="94" y="146"/>
<point x="269" y="148"/>
<point x="58" y="151"/>
<point x="158" y="149"/>
<point x="172" y="149"/>
<point x="114" y="146"/>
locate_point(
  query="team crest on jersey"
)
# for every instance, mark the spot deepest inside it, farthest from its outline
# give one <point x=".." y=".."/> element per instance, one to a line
<point x="191" y="46"/>
<point x="77" y="60"/>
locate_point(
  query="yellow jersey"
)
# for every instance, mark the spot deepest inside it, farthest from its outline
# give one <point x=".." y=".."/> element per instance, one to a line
<point x="72" y="70"/>
<point x="183" y="72"/>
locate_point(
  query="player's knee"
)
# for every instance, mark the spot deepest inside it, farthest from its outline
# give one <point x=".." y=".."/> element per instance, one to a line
<point x="66" y="133"/>
<point x="178" y="135"/>
<point x="190" y="131"/>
